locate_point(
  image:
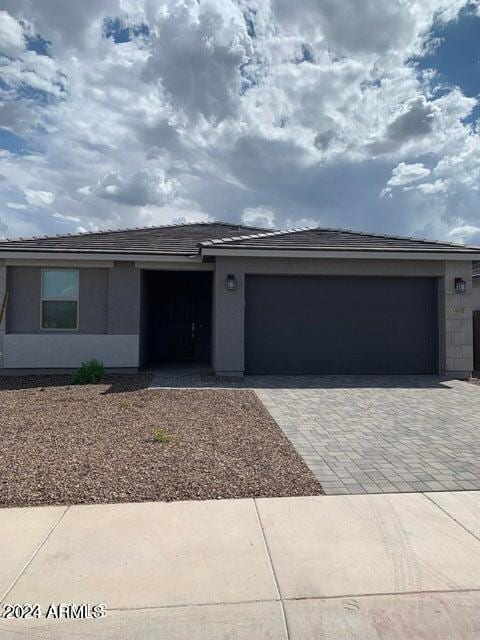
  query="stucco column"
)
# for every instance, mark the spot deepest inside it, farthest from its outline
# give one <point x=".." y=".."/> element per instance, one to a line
<point x="458" y="330"/>
<point x="124" y="299"/>
<point x="3" y="288"/>
<point x="228" y="353"/>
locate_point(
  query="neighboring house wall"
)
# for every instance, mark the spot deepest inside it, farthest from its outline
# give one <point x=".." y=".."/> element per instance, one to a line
<point x="109" y="316"/>
<point x="455" y="336"/>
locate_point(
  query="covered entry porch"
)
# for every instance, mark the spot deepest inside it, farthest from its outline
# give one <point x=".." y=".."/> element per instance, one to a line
<point x="176" y="318"/>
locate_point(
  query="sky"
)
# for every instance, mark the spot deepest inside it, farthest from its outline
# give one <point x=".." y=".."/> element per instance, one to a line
<point x="355" y="114"/>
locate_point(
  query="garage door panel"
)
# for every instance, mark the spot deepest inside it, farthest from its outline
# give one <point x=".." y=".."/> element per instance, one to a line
<point x="334" y="325"/>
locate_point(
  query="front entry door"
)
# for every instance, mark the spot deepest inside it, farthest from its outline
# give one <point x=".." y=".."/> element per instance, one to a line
<point x="181" y="326"/>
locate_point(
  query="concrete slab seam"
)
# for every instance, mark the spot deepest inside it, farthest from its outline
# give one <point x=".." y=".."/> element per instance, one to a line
<point x="393" y="594"/>
<point x="277" y="585"/>
<point x="33" y="556"/>
<point x="451" y="517"/>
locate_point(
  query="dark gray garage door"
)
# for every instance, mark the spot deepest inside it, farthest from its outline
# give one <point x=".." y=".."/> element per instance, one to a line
<point x="340" y="325"/>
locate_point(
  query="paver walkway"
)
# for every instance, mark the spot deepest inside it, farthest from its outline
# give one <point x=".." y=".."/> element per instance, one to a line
<point x="383" y="567"/>
<point x="370" y="434"/>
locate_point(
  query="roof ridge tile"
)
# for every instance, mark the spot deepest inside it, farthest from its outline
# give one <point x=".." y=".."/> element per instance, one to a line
<point x="267" y="234"/>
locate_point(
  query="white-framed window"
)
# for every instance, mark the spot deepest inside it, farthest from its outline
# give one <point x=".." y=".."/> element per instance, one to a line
<point x="59" y="299"/>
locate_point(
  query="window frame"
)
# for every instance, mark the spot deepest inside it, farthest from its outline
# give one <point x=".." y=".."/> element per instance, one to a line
<point x="77" y="299"/>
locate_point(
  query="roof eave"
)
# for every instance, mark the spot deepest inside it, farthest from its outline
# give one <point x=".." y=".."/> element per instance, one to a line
<point x="350" y="253"/>
<point x="84" y="254"/>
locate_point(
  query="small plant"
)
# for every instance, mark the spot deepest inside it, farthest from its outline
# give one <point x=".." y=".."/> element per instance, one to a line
<point x="160" y="435"/>
<point x="90" y="372"/>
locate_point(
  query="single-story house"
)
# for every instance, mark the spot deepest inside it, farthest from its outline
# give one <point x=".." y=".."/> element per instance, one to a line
<point x="301" y="301"/>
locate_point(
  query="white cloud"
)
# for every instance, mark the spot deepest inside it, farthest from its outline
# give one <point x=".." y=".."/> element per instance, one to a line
<point x="414" y="120"/>
<point x="463" y="233"/>
<point x="35" y="71"/>
<point x="302" y="223"/>
<point x="65" y="218"/>
<point x="429" y="188"/>
<point x="12" y="42"/>
<point x="92" y="227"/>
<point x="67" y="24"/>
<point x="146" y="186"/>
<point x="39" y="198"/>
<point x="3" y="229"/>
<point x="407" y="173"/>
<point x="254" y="110"/>
<point x="197" y="51"/>
<point x="259" y="217"/>
<point x="16" y="205"/>
<point x="373" y="27"/>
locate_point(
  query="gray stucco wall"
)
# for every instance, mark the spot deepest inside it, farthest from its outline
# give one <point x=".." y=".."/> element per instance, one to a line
<point x="455" y="335"/>
<point x="109" y="317"/>
<point x="124" y="299"/>
<point x="143" y="343"/>
<point x="24" y="285"/>
<point x="63" y="351"/>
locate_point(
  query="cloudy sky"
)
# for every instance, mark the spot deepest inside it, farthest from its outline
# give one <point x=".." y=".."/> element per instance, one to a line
<point x="361" y="114"/>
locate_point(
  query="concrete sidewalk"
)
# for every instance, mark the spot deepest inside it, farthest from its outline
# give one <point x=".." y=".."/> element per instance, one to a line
<point x="347" y="567"/>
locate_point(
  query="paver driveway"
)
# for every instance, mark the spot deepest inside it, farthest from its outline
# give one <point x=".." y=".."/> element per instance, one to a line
<point x="383" y="434"/>
<point x="369" y="434"/>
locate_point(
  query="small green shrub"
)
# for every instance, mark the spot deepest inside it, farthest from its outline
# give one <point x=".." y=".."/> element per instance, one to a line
<point x="90" y="372"/>
<point x="160" y="435"/>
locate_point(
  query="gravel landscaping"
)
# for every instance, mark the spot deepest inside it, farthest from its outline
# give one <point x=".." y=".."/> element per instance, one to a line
<point x="65" y="444"/>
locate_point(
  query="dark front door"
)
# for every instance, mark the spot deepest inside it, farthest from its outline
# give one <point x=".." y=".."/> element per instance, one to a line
<point x="176" y="316"/>
<point x="181" y="326"/>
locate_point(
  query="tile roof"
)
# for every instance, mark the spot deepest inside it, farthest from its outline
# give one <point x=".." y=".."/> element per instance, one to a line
<point x="180" y="239"/>
<point x="334" y="240"/>
<point x="191" y="239"/>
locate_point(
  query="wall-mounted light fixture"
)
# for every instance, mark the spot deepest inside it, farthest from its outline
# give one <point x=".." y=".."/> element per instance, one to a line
<point x="460" y="285"/>
<point x="231" y="282"/>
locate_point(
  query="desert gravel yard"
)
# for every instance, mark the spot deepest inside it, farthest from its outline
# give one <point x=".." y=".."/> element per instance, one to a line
<point x="65" y="444"/>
